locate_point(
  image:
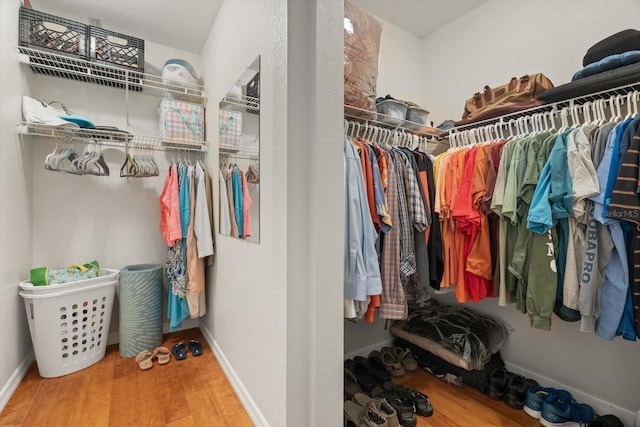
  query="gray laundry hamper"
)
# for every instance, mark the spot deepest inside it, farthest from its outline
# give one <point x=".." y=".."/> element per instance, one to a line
<point x="140" y="295"/>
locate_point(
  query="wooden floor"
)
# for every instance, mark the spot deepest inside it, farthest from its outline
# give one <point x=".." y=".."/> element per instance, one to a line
<point x="115" y="392"/>
<point x="462" y="406"/>
<point x="195" y="392"/>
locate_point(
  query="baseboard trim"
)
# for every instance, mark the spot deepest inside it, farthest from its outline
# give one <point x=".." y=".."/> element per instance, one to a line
<point x="364" y="351"/>
<point x="244" y="396"/>
<point x="600" y="406"/>
<point x="14" y="381"/>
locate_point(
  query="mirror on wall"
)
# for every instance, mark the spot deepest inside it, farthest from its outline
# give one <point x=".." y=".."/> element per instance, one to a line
<point x="239" y="154"/>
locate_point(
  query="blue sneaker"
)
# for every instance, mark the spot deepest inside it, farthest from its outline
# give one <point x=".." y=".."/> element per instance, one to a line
<point x="559" y="409"/>
<point x="534" y="399"/>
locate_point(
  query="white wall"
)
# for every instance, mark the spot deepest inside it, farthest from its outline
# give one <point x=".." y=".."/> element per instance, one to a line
<point x="247" y="318"/>
<point x="15" y="210"/>
<point x="502" y="39"/>
<point x="400" y="70"/>
<point x="488" y="45"/>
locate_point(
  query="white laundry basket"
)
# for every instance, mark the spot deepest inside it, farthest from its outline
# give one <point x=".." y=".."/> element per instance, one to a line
<point x="69" y="323"/>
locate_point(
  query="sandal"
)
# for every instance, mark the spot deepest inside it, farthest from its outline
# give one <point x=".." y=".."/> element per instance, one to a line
<point x="144" y="359"/>
<point x="195" y="347"/>
<point x="390" y="361"/>
<point x="179" y="351"/>
<point x="405" y="357"/>
<point x="162" y="354"/>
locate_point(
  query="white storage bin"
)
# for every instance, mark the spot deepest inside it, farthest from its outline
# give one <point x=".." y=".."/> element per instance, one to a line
<point x="69" y="323"/>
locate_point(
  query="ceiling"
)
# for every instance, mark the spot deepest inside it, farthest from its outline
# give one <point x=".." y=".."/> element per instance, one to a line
<point x="185" y="24"/>
<point x="419" y="17"/>
<point x="181" y="24"/>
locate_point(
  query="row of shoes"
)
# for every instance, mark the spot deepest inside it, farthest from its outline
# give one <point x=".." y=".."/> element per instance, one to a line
<point x="390" y="405"/>
<point x="550" y="406"/>
<point x="379" y="367"/>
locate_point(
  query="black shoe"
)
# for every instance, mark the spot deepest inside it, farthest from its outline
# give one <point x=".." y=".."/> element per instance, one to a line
<point x="362" y="373"/>
<point x="606" y="421"/>
<point x="378" y="369"/>
<point x="497" y="383"/>
<point x="404" y="408"/>
<point x="421" y="402"/>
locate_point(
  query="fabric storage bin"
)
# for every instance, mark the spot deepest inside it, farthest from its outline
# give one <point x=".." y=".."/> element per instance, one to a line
<point x="69" y="322"/>
<point x="230" y="128"/>
<point x="39" y="30"/>
<point x="181" y="120"/>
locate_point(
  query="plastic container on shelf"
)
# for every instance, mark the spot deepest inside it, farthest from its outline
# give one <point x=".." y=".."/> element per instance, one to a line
<point x="416" y="118"/>
<point x="69" y="322"/>
<point x="391" y="112"/>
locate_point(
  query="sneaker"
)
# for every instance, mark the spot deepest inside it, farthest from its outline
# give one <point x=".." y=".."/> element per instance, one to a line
<point x="560" y="409"/>
<point x="606" y="421"/>
<point x="363" y="416"/>
<point x="381" y="405"/>
<point x="534" y="399"/>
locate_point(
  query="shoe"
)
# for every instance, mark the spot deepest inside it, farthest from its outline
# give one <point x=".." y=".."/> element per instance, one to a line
<point x="405" y="357"/>
<point x="606" y="421"/>
<point x="162" y="354"/>
<point x="421" y="402"/>
<point x="516" y="390"/>
<point x="363" y="416"/>
<point x="381" y="405"/>
<point x="534" y="399"/>
<point x="351" y="386"/>
<point x="361" y="371"/>
<point x="195" y="347"/>
<point x="378" y="370"/>
<point x="390" y="361"/>
<point x="498" y="379"/>
<point x="179" y="351"/>
<point x="144" y="359"/>
<point x="404" y="407"/>
<point x="560" y="409"/>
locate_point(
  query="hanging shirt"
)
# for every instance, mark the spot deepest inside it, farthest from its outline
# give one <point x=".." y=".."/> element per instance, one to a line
<point x="236" y="185"/>
<point x="361" y="271"/>
<point x="170" y="208"/>
<point x="393" y="304"/>
<point x="246" y="208"/>
<point x="616" y="282"/>
<point x="202" y="224"/>
<point x="195" y="263"/>
<point x="225" y="220"/>
<point x="230" y="199"/>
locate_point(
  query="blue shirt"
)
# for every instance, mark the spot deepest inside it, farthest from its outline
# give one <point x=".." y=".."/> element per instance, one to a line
<point x="236" y="185"/>
<point x="361" y="270"/>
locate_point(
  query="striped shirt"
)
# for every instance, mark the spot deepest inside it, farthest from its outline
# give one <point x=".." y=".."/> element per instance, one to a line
<point x="625" y="206"/>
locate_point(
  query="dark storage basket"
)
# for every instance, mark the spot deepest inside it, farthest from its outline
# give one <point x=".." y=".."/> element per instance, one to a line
<point x="120" y="51"/>
<point x="116" y="49"/>
<point x="39" y="30"/>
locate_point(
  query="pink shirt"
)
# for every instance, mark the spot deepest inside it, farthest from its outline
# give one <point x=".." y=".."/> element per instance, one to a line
<point x="246" y="205"/>
<point x="170" y="209"/>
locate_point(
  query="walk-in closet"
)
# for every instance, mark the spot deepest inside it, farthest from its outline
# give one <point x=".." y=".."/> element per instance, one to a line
<point x="274" y="317"/>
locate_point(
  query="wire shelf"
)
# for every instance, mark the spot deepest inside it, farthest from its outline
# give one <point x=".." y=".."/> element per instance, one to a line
<point x="115" y="138"/>
<point x="390" y="122"/>
<point x="559" y="105"/>
<point x="251" y="104"/>
<point x="239" y="152"/>
<point x="97" y="73"/>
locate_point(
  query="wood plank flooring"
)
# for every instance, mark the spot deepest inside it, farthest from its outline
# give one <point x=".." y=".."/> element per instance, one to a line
<point x="115" y="392"/>
<point x="195" y="392"/>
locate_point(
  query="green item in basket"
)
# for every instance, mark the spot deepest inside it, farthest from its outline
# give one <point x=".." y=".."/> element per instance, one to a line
<point x="42" y="276"/>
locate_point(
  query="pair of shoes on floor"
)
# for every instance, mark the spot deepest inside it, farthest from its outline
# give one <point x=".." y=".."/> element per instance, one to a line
<point x="364" y="410"/>
<point x="396" y="360"/>
<point x="406" y="401"/>
<point x="558" y="408"/>
<point x="509" y="387"/>
<point x="180" y="349"/>
<point x="369" y="371"/>
<point x="144" y="359"/>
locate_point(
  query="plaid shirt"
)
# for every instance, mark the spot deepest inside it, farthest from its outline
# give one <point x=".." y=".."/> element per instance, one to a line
<point x="407" y="249"/>
<point x="393" y="302"/>
<point x="417" y="212"/>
